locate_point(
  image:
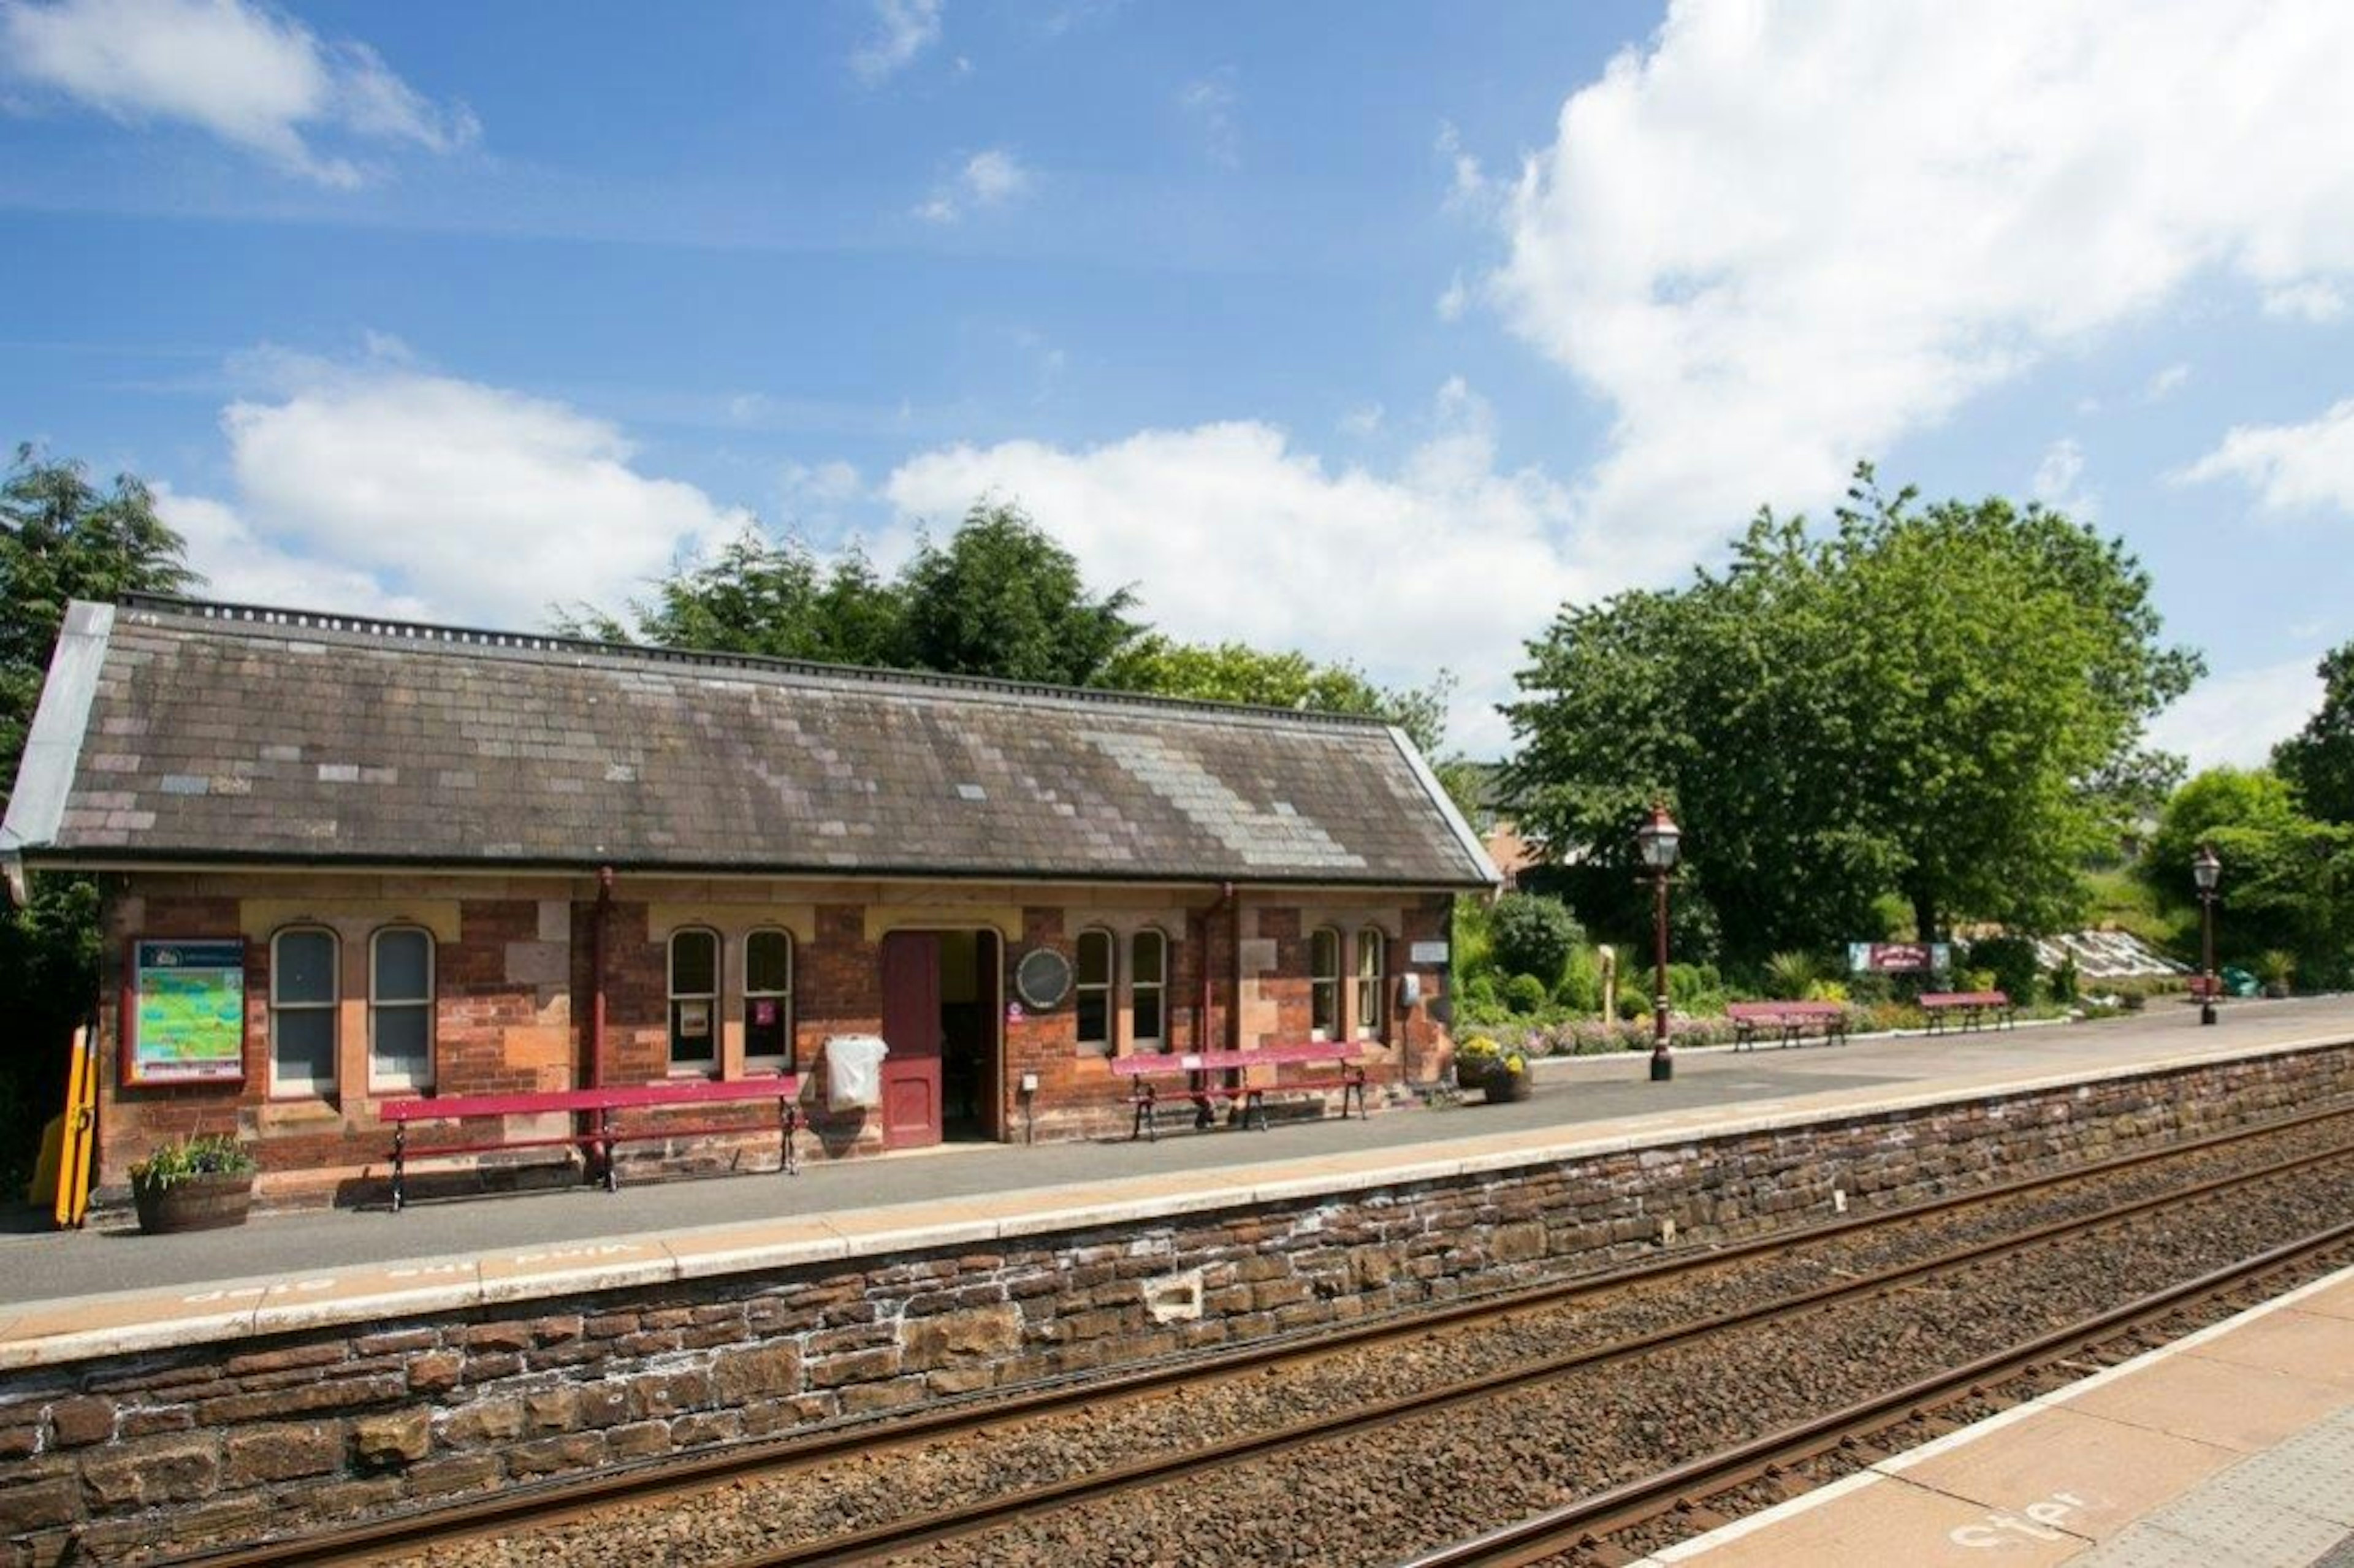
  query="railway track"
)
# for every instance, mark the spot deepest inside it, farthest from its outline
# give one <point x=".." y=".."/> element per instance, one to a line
<point x="1016" y="1506"/>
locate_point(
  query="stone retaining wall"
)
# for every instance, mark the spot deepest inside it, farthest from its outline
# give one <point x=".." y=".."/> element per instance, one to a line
<point x="118" y="1457"/>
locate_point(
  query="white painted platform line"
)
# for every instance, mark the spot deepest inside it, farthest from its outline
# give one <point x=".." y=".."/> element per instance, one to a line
<point x="2285" y="1509"/>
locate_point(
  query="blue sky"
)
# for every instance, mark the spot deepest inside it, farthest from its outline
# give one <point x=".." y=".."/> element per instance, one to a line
<point x="1377" y="332"/>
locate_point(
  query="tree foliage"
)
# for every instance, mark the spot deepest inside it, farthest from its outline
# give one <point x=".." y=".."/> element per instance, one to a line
<point x="1533" y="936"/>
<point x="766" y="596"/>
<point x="1002" y="598"/>
<point x="1942" y="701"/>
<point x="2287" y="880"/>
<point x="1234" y="672"/>
<point x="2318" y="762"/>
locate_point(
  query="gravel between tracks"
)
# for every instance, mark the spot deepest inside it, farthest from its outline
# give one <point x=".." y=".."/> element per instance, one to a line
<point x="1381" y="1495"/>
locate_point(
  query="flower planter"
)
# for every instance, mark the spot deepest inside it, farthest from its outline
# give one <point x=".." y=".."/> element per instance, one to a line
<point x="203" y="1203"/>
<point x="1503" y="1087"/>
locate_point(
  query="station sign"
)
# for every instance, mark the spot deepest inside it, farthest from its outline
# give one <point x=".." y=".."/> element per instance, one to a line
<point x="1899" y="957"/>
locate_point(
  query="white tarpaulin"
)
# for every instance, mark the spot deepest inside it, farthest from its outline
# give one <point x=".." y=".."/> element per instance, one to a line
<point x="853" y="1070"/>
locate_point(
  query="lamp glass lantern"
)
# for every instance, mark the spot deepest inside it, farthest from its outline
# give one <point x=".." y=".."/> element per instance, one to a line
<point x="2206" y="870"/>
<point x="1658" y="839"/>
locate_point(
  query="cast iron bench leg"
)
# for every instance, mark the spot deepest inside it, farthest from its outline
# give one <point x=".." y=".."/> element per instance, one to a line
<point x="612" y="1168"/>
<point x="399" y="1154"/>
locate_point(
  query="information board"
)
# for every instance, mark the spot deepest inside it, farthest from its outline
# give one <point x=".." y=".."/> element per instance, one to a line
<point x="187" y="1007"/>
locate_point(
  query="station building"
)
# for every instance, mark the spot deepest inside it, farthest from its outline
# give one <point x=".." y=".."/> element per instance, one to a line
<point x="347" y="859"/>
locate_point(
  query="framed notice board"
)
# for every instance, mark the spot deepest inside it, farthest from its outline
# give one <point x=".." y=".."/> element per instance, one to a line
<point x="186" y="1018"/>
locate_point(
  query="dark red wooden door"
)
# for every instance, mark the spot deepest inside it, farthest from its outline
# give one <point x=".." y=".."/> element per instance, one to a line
<point x="911" y="1027"/>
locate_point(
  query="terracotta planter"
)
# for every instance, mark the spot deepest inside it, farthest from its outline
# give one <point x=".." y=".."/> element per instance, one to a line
<point x="193" y="1203"/>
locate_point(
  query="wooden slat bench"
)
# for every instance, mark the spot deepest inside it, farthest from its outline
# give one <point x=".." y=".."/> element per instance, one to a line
<point x="1198" y="1066"/>
<point x="1975" y="1009"/>
<point x="1788" y="1021"/>
<point x="601" y="1103"/>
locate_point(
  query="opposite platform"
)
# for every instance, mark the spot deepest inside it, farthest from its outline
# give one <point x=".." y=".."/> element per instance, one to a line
<point x="2234" y="1445"/>
<point x="67" y="1295"/>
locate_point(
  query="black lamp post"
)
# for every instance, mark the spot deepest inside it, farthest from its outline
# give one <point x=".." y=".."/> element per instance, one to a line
<point x="1658" y="839"/>
<point x="2205" y="871"/>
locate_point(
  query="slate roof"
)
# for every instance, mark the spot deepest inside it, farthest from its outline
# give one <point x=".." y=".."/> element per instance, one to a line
<point x="173" y="731"/>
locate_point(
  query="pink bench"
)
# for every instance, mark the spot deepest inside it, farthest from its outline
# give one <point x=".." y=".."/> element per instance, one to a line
<point x="601" y="1103"/>
<point x="1199" y="1065"/>
<point x="1789" y="1022"/>
<point x="1975" y="1008"/>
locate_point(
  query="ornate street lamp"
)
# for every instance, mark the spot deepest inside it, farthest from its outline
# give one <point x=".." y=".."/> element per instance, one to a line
<point x="2205" y="871"/>
<point x="1658" y="839"/>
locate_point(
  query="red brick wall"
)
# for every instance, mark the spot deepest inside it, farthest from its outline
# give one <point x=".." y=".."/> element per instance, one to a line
<point x="495" y="1032"/>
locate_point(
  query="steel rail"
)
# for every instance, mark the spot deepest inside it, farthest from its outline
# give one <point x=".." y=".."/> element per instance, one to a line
<point x="1580" y="1525"/>
<point x="1010" y="1508"/>
<point x="516" y="1507"/>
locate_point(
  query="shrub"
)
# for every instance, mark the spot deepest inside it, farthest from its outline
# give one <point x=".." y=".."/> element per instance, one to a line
<point x="1580" y="990"/>
<point x="1788" y="975"/>
<point x="2063" y="982"/>
<point x="1525" y="994"/>
<point x="2008" y="963"/>
<point x="205" y="1154"/>
<point x="1533" y="935"/>
<point x="1480" y="990"/>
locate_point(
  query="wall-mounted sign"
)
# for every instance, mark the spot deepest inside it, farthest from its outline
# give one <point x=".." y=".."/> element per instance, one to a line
<point x="1043" y="978"/>
<point x="1899" y="957"/>
<point x="187" y="1013"/>
<point x="694" y="1020"/>
<point x="1427" y="953"/>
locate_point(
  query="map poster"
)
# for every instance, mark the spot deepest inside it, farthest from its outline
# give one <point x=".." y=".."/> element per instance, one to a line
<point x="187" y="1023"/>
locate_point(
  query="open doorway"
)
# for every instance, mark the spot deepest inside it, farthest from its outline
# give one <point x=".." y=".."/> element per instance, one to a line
<point x="940" y="1010"/>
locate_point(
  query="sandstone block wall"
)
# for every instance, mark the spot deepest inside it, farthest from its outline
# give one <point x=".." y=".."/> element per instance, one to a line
<point x="109" y="1459"/>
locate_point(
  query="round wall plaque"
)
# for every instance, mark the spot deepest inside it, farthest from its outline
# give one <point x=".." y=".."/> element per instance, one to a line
<point x="1043" y="977"/>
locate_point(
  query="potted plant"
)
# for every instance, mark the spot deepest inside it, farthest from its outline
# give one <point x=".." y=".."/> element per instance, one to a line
<point x="2277" y="970"/>
<point x="198" y="1183"/>
<point x="1501" y="1074"/>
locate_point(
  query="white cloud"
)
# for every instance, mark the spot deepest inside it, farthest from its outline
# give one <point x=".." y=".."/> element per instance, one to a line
<point x="2309" y="302"/>
<point x="2054" y="483"/>
<point x="903" y="29"/>
<point x="2166" y="383"/>
<point x="2292" y="468"/>
<point x="1210" y="103"/>
<point x="381" y="485"/>
<point x="1234" y="534"/>
<point x="1780" y="239"/>
<point x="1469" y="188"/>
<point x="2235" y="719"/>
<point x="246" y="73"/>
<point x="990" y="178"/>
<point x="1363" y="423"/>
<point x="1454" y="300"/>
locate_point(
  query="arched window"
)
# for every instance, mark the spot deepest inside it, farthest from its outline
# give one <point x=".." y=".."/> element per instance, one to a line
<point x="694" y="1000"/>
<point x="1324" y="984"/>
<point x="303" y="999"/>
<point x="1091" y="991"/>
<point x="1371" y="995"/>
<point x="1148" y="991"/>
<point x="769" y="1001"/>
<point x="400" y="1009"/>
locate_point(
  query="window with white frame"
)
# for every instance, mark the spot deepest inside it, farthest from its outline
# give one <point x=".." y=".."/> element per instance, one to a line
<point x="400" y="1009"/>
<point x="694" y="1000"/>
<point x="1371" y="995"/>
<point x="1091" y="991"/>
<point x="1324" y="984"/>
<point x="303" y="1000"/>
<point x="1148" y="991"/>
<point x="769" y="1001"/>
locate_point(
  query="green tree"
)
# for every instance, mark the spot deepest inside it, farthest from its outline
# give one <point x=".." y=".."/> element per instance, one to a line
<point x="1943" y="702"/>
<point x="2287" y="880"/>
<point x="1234" y="672"/>
<point x="1002" y="598"/>
<point x="2318" y="760"/>
<point x="766" y="597"/>
<point x="62" y="538"/>
<point x="2216" y="800"/>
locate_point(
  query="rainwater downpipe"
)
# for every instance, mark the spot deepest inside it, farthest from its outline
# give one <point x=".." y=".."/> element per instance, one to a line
<point x="597" y="923"/>
<point x="1201" y="1011"/>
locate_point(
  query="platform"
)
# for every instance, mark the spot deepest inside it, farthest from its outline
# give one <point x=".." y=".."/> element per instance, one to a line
<point x="2234" y="1445"/>
<point x="110" y="1290"/>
